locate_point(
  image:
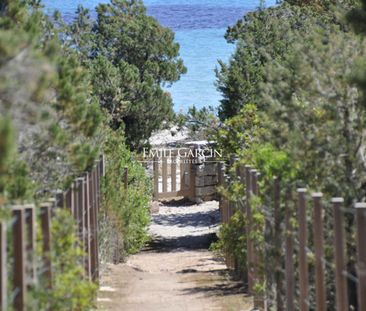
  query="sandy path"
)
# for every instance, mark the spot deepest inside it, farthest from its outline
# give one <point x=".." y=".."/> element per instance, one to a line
<point x="177" y="272"/>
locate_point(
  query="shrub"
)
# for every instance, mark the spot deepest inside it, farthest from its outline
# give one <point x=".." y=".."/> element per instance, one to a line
<point x="125" y="213"/>
<point x="70" y="290"/>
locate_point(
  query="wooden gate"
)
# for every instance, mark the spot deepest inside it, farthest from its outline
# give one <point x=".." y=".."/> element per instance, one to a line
<point x="173" y="174"/>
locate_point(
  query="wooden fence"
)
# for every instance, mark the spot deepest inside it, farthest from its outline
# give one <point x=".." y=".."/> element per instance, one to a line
<point x="82" y="199"/>
<point x="174" y="175"/>
<point x="287" y="276"/>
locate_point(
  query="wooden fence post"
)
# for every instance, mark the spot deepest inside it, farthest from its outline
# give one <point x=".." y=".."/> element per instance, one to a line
<point x="102" y="168"/>
<point x="221" y="173"/>
<point x="191" y="161"/>
<point x="233" y="206"/>
<point x="75" y="200"/>
<point x="227" y="201"/>
<point x="231" y="259"/>
<point x="96" y="212"/>
<point x="156" y="177"/>
<point x="259" y="299"/>
<point x="278" y="243"/>
<point x="30" y="219"/>
<point x="87" y="225"/>
<point x="80" y="208"/>
<point x="3" y="266"/>
<point x="290" y="275"/>
<point x="46" y="241"/>
<point x="93" y="264"/>
<point x="254" y="191"/>
<point x="320" y="291"/>
<point x="340" y="256"/>
<point x="165" y="176"/>
<point x="254" y="181"/>
<point x="361" y="254"/>
<point x="226" y="217"/>
<point x="19" y="271"/>
<point x="241" y="171"/>
<point x="303" y="263"/>
<point x="94" y="228"/>
<point x="80" y="184"/>
<point x="248" y="190"/>
<point x="97" y="184"/>
<point x="173" y="170"/>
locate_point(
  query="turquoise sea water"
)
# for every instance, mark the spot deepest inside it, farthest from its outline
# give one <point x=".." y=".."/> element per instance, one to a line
<point x="200" y="26"/>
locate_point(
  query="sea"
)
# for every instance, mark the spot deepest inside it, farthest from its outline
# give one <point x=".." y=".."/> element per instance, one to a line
<point x="199" y="27"/>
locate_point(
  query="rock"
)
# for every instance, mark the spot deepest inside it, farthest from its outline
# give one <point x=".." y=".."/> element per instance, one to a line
<point x="203" y="181"/>
<point x="154" y="207"/>
<point x="205" y="191"/>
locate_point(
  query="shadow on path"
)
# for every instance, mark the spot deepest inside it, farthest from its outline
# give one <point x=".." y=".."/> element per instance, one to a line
<point x="175" y="272"/>
<point x="218" y="289"/>
<point x="210" y="218"/>
<point x="182" y="243"/>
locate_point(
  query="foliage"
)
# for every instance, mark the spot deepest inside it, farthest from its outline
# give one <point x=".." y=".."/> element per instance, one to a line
<point x="71" y="291"/>
<point x="237" y="135"/>
<point x="232" y="240"/>
<point x="131" y="56"/>
<point x="261" y="38"/>
<point x="201" y="123"/>
<point x="45" y="105"/>
<point x="299" y="64"/>
<point x="319" y="121"/>
<point x="50" y="132"/>
<point x="126" y="210"/>
<point x="6" y="152"/>
<point x="15" y="184"/>
<point x="306" y="105"/>
<point x="46" y="94"/>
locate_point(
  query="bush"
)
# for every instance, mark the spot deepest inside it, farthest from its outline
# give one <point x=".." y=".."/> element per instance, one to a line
<point x="125" y="214"/>
<point x="232" y="240"/>
<point x="70" y="291"/>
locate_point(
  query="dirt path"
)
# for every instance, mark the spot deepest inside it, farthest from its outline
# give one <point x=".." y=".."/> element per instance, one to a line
<point x="177" y="273"/>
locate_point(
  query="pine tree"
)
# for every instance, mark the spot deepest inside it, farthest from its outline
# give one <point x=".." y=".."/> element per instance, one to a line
<point x="131" y="56"/>
<point x="45" y="91"/>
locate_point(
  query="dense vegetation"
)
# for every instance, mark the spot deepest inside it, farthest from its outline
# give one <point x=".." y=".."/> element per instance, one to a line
<point x="293" y="107"/>
<point x="68" y="93"/>
<point x="130" y="56"/>
<point x="126" y="214"/>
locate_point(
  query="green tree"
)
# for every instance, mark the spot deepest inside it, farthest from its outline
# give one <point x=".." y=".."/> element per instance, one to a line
<point x="48" y="133"/>
<point x="46" y="93"/>
<point x="316" y="115"/>
<point x="311" y="115"/>
<point x="262" y="37"/>
<point x="132" y="57"/>
<point x="126" y="211"/>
